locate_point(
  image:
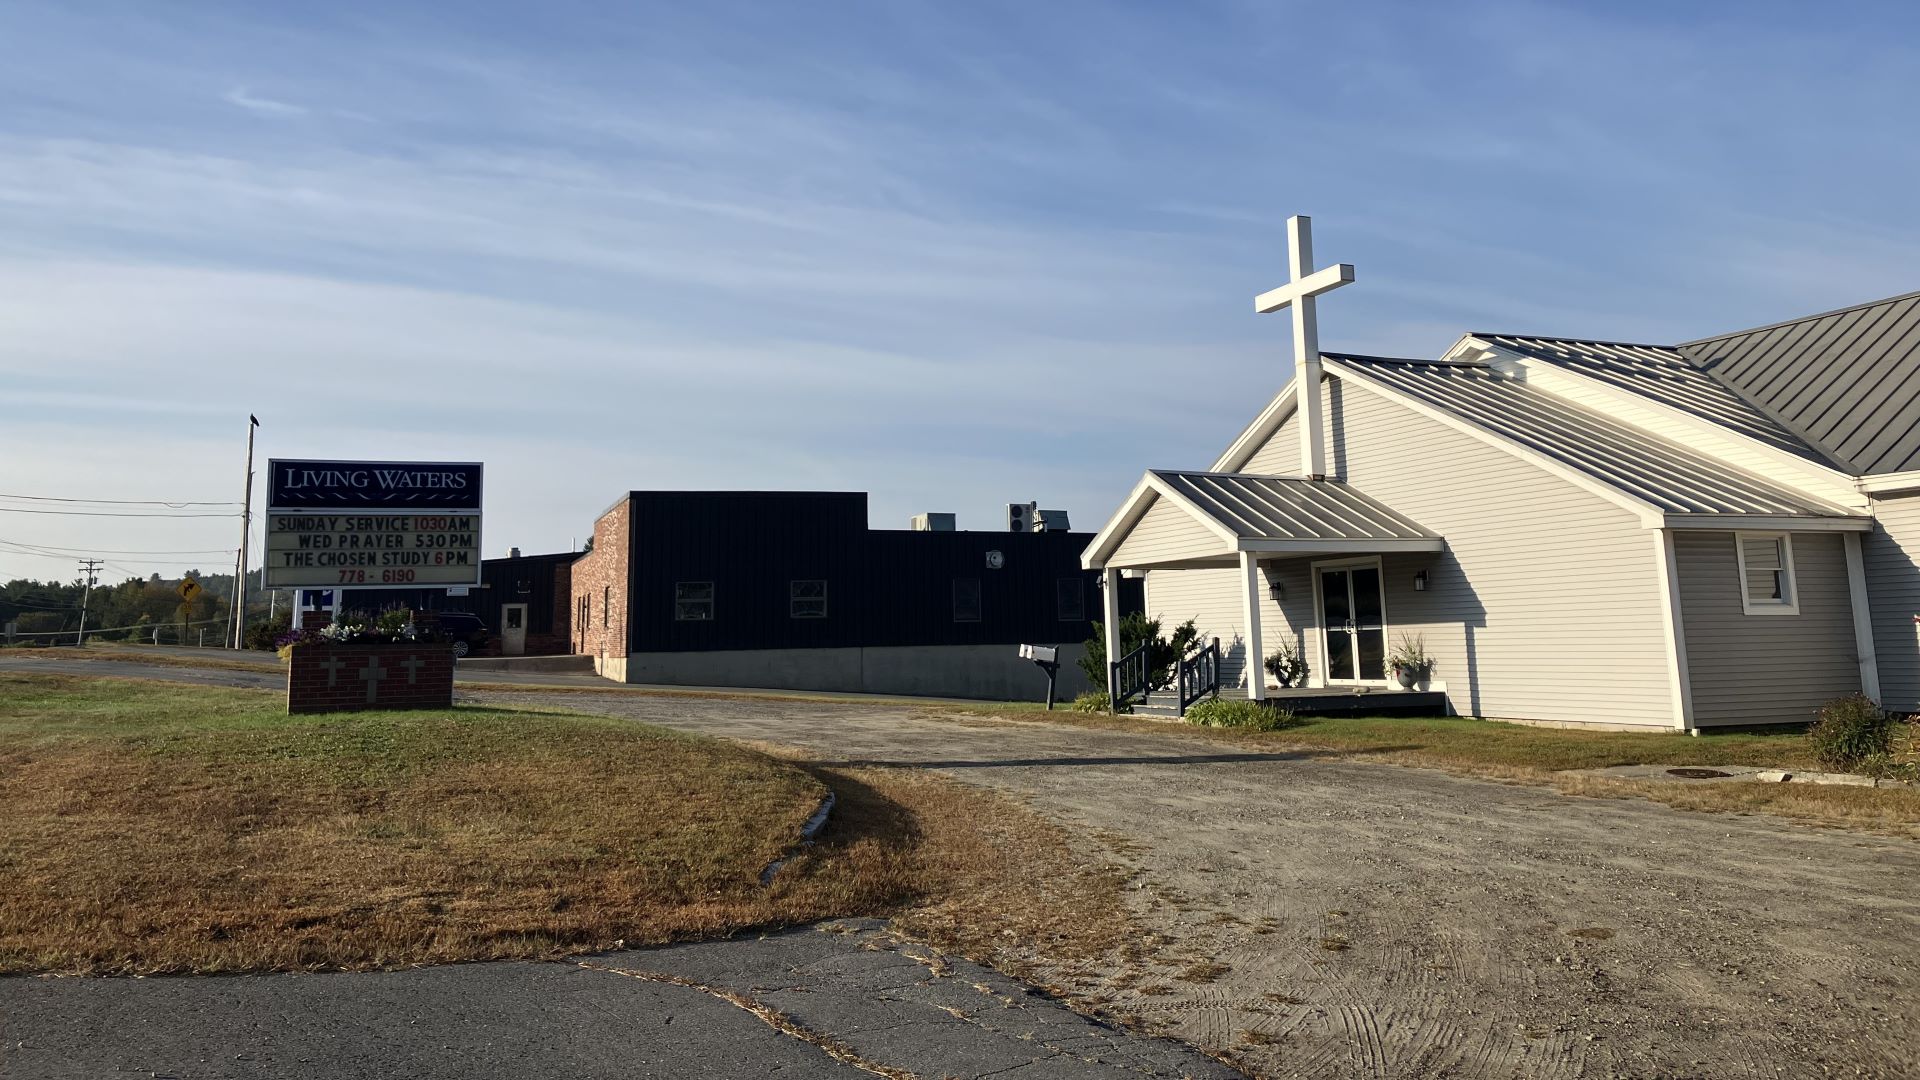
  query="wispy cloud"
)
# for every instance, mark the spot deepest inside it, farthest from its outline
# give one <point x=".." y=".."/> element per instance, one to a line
<point x="956" y="255"/>
<point x="264" y="106"/>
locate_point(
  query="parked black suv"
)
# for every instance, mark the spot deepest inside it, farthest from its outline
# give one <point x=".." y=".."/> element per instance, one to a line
<point x="466" y="631"/>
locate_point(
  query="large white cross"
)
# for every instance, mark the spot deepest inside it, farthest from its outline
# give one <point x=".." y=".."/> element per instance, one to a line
<point x="1299" y="294"/>
<point x="371" y="675"/>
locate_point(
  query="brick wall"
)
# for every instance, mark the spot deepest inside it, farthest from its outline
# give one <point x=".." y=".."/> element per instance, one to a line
<point x="334" y="678"/>
<point x="598" y="587"/>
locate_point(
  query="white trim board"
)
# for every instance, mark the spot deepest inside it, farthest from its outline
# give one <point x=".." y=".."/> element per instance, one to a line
<point x="1673" y="628"/>
<point x="1769" y="523"/>
<point x="1256" y="434"/>
<point x="1788" y="606"/>
<point x="1862" y="617"/>
<point x="1889" y="483"/>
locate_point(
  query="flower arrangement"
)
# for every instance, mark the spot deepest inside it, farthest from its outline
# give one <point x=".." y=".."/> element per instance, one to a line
<point x="1409" y="659"/>
<point x="393" y="627"/>
<point x="1288" y="664"/>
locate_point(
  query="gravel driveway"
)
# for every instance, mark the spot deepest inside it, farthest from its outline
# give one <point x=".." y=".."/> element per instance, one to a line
<point x="1341" y="919"/>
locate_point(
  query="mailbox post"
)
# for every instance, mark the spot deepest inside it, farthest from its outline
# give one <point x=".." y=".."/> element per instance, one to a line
<point x="1046" y="658"/>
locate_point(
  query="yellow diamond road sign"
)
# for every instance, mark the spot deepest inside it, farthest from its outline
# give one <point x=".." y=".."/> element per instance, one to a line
<point x="189" y="589"/>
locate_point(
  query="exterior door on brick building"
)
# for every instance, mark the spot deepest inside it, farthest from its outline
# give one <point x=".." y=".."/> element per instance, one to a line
<point x="513" y="629"/>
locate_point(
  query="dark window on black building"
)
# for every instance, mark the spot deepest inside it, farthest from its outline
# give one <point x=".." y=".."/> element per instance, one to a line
<point x="693" y="601"/>
<point x="807" y="599"/>
<point x="1070" y="599"/>
<point x="966" y="599"/>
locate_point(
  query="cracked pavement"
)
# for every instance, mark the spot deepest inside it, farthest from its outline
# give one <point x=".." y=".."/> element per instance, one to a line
<point x="845" y="998"/>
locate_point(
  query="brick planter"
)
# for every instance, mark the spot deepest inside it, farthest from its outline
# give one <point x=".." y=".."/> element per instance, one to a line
<point x="339" y="678"/>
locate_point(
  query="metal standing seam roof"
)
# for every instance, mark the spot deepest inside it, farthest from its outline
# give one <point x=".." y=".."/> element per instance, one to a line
<point x="1847" y="380"/>
<point x="1664" y="375"/>
<point x="1671" y="477"/>
<point x="1281" y="508"/>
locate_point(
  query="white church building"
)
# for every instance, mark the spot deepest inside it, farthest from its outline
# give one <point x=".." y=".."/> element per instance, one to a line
<point x="1716" y="533"/>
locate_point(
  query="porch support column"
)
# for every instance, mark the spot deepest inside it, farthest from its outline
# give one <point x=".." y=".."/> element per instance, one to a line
<point x="1862" y="617"/>
<point x="1110" y="627"/>
<point x="1251" y="580"/>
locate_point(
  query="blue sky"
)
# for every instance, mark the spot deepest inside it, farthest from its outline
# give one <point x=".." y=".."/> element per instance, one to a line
<point x="954" y="254"/>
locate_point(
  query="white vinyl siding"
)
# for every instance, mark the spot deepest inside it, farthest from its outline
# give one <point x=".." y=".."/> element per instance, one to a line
<point x="1166" y="533"/>
<point x="1892" y="556"/>
<point x="1764" y="671"/>
<point x="1212" y="599"/>
<point x="1545" y="605"/>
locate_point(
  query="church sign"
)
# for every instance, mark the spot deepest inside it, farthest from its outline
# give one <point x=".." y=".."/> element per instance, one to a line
<point x="372" y="524"/>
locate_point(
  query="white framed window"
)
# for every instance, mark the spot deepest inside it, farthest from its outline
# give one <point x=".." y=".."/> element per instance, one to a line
<point x="1767" y="586"/>
<point x="693" y="601"/>
<point x="807" y="599"/>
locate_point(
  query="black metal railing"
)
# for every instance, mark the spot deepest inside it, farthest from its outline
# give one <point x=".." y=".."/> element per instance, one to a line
<point x="1127" y="678"/>
<point x="1200" y="676"/>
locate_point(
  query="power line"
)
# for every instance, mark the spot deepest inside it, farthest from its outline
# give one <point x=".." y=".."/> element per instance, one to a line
<point x="8" y="549"/>
<point x="117" y="502"/>
<point x="120" y="551"/>
<point x="102" y="513"/>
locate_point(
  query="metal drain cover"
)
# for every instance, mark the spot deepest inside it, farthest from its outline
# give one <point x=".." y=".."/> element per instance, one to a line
<point x="1699" y="774"/>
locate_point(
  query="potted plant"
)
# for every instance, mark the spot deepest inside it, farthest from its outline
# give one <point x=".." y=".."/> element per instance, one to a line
<point x="1409" y="660"/>
<point x="1288" y="664"/>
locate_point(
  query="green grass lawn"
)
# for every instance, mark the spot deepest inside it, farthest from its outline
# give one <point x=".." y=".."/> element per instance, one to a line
<point x="1464" y="741"/>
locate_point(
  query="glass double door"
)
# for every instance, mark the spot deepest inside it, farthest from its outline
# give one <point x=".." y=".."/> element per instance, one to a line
<point x="1353" y="619"/>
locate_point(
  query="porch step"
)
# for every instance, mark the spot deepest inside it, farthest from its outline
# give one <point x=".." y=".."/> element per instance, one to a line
<point x="1155" y="708"/>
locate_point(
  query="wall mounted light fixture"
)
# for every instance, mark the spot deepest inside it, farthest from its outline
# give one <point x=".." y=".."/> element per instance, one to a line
<point x="1276" y="590"/>
<point x="1419" y="581"/>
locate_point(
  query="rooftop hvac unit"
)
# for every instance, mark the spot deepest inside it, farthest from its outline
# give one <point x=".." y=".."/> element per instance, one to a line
<point x="933" y="523"/>
<point x="1021" y="517"/>
<point x="1051" y="521"/>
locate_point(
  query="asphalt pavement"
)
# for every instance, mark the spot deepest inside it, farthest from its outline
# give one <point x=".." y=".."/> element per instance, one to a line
<point x="846" y="998"/>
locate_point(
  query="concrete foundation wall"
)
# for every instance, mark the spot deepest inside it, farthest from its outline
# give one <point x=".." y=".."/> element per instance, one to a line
<point x="985" y="672"/>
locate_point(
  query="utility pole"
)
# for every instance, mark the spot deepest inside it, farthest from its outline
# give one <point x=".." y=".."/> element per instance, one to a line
<point x="246" y="530"/>
<point x="89" y="567"/>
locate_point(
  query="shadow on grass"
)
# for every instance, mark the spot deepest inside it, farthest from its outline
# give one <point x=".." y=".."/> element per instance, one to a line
<point x="1130" y="759"/>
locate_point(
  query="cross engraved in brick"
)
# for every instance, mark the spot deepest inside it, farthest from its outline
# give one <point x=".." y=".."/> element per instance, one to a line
<point x="371" y="675"/>
<point x="413" y="664"/>
<point x="333" y="666"/>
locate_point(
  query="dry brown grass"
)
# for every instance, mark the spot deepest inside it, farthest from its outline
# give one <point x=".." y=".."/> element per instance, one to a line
<point x="980" y="875"/>
<point x="148" y="827"/>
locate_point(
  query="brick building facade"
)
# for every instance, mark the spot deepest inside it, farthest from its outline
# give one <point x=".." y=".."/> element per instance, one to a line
<point x="599" y="584"/>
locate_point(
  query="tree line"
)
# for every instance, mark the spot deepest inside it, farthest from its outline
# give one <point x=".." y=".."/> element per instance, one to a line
<point x="41" y="611"/>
